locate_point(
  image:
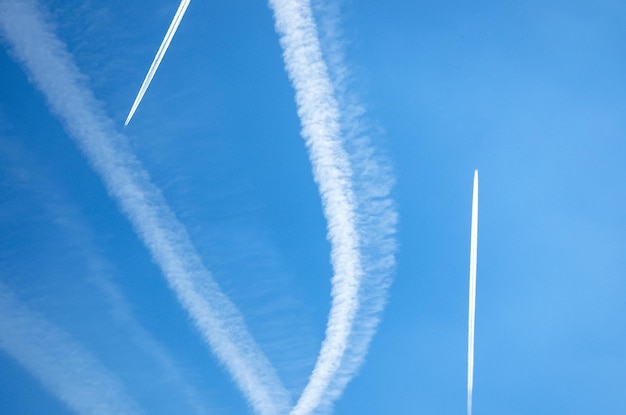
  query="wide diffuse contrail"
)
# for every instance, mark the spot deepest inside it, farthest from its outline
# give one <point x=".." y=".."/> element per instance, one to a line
<point x="220" y="324"/>
<point x="182" y="8"/>
<point x="354" y="188"/>
<point x="472" y="295"/>
<point x="58" y="362"/>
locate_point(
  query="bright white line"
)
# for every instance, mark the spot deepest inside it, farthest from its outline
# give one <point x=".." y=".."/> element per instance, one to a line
<point x="51" y="69"/>
<point x="472" y="295"/>
<point x="62" y="366"/>
<point x="350" y="204"/>
<point x="171" y="31"/>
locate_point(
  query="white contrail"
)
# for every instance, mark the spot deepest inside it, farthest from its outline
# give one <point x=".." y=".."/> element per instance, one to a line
<point x="62" y="366"/>
<point x="345" y="199"/>
<point x="171" y="31"/>
<point x="375" y="210"/>
<point x="50" y="67"/>
<point x="69" y="221"/>
<point x="472" y="295"/>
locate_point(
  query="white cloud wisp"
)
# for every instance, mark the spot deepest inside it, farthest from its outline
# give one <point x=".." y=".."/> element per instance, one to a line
<point x="171" y="31"/>
<point x="28" y="176"/>
<point x="356" y="205"/>
<point x="51" y="69"/>
<point x="472" y="295"/>
<point x="62" y="366"/>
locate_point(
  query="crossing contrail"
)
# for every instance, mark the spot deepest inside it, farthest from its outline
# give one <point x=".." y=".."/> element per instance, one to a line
<point x="472" y="295"/>
<point x="355" y="198"/>
<point x="51" y="69"/>
<point x="182" y="8"/>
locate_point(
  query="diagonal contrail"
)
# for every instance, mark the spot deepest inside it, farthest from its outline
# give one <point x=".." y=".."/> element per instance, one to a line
<point x="356" y="207"/>
<point x="472" y="295"/>
<point x="69" y="221"/>
<point x="51" y="69"/>
<point x="62" y="366"/>
<point x="182" y="8"/>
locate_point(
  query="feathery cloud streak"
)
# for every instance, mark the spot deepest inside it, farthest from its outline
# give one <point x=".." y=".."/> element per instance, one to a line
<point x="51" y="69"/>
<point x="472" y="295"/>
<point x="28" y="176"/>
<point x="171" y="31"/>
<point x="375" y="209"/>
<point x="73" y="375"/>
<point x="345" y="210"/>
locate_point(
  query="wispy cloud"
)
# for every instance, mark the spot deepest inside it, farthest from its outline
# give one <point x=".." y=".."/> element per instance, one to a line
<point x="171" y="31"/>
<point x="97" y="270"/>
<point x="28" y="175"/>
<point x="51" y="69"/>
<point x="170" y="370"/>
<point x="71" y="373"/>
<point x="354" y="188"/>
<point x="472" y="295"/>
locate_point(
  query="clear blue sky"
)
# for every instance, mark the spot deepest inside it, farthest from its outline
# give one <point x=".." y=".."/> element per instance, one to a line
<point x="531" y="93"/>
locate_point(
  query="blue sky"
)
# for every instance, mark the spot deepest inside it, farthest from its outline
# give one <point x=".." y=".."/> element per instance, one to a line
<point x="212" y="182"/>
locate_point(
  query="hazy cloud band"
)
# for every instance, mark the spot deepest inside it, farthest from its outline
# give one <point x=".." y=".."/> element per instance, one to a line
<point x="67" y="370"/>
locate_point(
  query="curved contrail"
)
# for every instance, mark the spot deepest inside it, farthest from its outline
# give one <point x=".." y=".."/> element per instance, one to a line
<point x="359" y="212"/>
<point x="182" y="8"/>
<point x="51" y="69"/>
<point x="356" y="206"/>
<point x="472" y="295"/>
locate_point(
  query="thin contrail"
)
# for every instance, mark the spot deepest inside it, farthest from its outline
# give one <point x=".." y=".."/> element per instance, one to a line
<point x="171" y="31"/>
<point x="472" y="295"/>
<point x="51" y="69"/>
<point x="346" y="201"/>
<point x="62" y="366"/>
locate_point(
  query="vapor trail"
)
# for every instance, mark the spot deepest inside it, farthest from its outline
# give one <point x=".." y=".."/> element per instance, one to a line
<point x="351" y="199"/>
<point x="182" y="8"/>
<point x="62" y="366"/>
<point x="51" y="69"/>
<point x="69" y="221"/>
<point x="472" y="295"/>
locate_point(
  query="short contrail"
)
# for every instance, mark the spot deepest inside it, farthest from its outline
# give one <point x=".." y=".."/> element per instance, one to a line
<point x="356" y="205"/>
<point x="62" y="366"/>
<point x="51" y="69"/>
<point x="182" y="8"/>
<point x="472" y="295"/>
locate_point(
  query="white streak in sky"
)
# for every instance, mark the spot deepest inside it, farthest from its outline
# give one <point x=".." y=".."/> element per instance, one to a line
<point x="97" y="270"/>
<point x="51" y="69"/>
<point x="69" y="222"/>
<point x="182" y="8"/>
<point x="171" y="374"/>
<point x="472" y="295"/>
<point x="351" y="196"/>
<point x="62" y="366"/>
